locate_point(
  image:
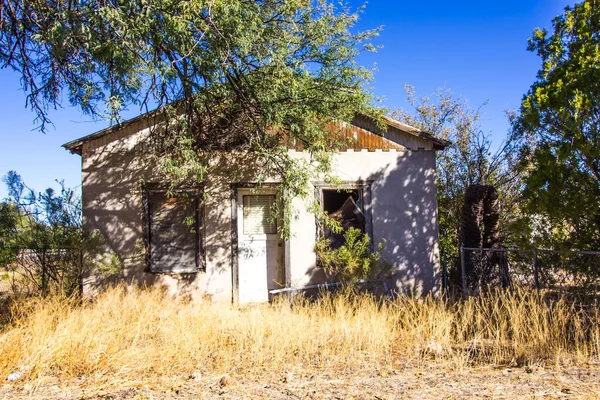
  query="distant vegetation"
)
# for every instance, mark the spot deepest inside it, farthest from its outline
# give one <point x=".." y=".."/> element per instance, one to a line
<point x="42" y="239"/>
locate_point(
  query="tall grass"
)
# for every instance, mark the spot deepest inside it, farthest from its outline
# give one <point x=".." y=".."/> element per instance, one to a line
<point x="144" y="333"/>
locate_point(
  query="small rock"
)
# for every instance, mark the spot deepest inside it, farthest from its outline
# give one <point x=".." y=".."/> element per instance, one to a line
<point x="226" y="380"/>
<point x="435" y="348"/>
<point x="195" y="375"/>
<point x="14" y="376"/>
<point x="287" y="378"/>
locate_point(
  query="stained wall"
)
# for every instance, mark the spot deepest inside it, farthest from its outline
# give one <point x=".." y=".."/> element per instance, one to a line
<point x="403" y="211"/>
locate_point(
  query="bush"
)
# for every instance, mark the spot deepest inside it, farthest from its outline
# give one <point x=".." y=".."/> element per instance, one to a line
<point x="43" y="235"/>
<point x="354" y="260"/>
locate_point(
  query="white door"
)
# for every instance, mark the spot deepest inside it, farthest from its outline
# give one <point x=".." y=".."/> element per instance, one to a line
<point x="260" y="258"/>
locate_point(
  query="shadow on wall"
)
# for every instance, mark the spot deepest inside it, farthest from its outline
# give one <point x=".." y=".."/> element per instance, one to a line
<point x="404" y="213"/>
<point x="112" y="177"/>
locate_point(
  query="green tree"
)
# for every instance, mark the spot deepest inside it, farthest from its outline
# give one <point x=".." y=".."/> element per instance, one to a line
<point x="468" y="160"/>
<point x="9" y="217"/>
<point x="560" y="120"/>
<point x="241" y="75"/>
<point x="44" y="229"/>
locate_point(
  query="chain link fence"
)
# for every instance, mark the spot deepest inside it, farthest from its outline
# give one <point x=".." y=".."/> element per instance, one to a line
<point x="555" y="271"/>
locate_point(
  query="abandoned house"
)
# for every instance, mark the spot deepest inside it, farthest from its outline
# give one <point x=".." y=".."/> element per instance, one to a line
<point x="235" y="254"/>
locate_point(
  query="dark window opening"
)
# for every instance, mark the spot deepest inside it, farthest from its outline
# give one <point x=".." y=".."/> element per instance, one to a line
<point x="345" y="206"/>
<point x="173" y="232"/>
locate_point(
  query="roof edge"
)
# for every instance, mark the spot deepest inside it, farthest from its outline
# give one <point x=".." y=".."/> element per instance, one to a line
<point x="439" y="144"/>
<point x="75" y="146"/>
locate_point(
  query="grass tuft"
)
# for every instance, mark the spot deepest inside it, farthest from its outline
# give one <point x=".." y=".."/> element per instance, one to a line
<point x="135" y="334"/>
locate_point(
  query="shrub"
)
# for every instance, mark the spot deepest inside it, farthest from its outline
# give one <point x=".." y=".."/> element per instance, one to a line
<point x="354" y="260"/>
<point x="42" y="234"/>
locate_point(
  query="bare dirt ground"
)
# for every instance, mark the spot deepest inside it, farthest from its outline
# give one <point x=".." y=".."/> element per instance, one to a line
<point x="430" y="382"/>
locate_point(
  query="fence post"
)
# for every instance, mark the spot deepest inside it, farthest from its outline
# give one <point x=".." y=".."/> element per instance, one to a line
<point x="536" y="276"/>
<point x="444" y="273"/>
<point x="462" y="270"/>
<point x="81" y="272"/>
<point x="44" y="272"/>
<point x="506" y="281"/>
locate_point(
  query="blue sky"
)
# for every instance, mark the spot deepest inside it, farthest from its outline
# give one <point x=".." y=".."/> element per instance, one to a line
<point x="475" y="48"/>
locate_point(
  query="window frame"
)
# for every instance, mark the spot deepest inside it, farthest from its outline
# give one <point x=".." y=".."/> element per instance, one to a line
<point x="272" y="223"/>
<point x="194" y="192"/>
<point x="364" y="186"/>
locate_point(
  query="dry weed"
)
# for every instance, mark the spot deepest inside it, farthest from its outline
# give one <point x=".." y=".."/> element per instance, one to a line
<point x="136" y="334"/>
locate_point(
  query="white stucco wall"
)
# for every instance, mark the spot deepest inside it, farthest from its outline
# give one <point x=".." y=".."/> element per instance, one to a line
<point x="404" y="212"/>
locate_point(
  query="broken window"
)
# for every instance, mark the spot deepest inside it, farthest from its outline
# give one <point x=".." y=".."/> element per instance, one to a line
<point x="345" y="206"/>
<point x="173" y="231"/>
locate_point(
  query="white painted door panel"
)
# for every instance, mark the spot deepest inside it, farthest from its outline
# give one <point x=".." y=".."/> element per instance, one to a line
<point x="260" y="258"/>
<point x="253" y="272"/>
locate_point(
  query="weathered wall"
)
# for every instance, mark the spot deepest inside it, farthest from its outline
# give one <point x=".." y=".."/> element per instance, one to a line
<point x="404" y="212"/>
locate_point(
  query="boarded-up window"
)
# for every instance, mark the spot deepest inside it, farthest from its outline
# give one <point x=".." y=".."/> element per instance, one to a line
<point x="173" y="232"/>
<point x="347" y="207"/>
<point x="258" y="216"/>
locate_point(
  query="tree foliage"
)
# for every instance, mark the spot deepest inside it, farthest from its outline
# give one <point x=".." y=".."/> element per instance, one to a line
<point x="560" y="118"/>
<point x="9" y="219"/>
<point x="42" y="234"/>
<point x="226" y="74"/>
<point x="468" y="160"/>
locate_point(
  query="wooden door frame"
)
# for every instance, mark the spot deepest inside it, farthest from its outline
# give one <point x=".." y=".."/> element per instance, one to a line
<point x="235" y="271"/>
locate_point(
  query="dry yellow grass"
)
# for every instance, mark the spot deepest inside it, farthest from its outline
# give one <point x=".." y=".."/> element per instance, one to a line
<point x="140" y="334"/>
